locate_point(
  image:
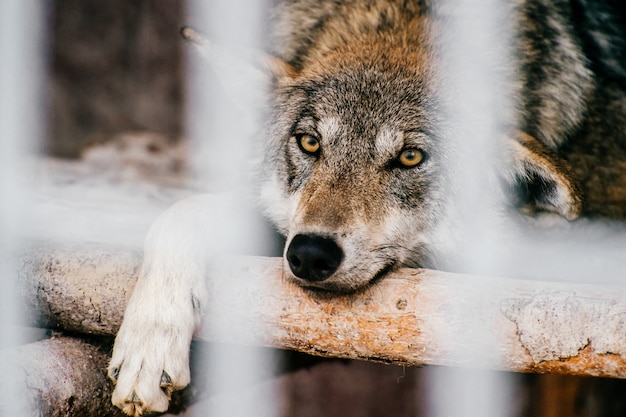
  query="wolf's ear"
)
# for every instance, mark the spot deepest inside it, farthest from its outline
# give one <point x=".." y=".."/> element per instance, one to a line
<point x="249" y="62"/>
<point x="542" y="180"/>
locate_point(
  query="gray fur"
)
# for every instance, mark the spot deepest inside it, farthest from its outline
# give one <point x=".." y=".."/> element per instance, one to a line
<point x="375" y="66"/>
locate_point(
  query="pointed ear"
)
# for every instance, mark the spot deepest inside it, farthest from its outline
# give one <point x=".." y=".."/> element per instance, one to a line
<point x="259" y="62"/>
<point x="543" y="180"/>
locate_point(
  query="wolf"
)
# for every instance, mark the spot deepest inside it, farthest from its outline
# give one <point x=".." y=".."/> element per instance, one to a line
<point x="357" y="147"/>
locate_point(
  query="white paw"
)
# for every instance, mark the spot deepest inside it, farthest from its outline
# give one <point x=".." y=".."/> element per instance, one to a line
<point x="151" y="358"/>
<point x="151" y="353"/>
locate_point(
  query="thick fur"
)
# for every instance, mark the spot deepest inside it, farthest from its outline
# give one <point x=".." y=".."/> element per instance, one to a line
<point x="363" y="78"/>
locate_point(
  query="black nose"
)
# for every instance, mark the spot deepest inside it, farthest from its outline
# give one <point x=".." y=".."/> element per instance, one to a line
<point x="313" y="258"/>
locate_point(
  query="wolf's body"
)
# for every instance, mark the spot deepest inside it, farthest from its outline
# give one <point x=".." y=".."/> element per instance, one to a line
<point x="355" y="171"/>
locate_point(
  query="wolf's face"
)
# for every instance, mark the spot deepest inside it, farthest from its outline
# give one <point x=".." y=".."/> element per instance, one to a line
<point x="359" y="172"/>
<point x="356" y="184"/>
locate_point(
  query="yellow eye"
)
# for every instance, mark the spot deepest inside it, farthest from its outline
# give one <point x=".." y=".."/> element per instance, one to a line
<point x="411" y="157"/>
<point x="308" y="143"/>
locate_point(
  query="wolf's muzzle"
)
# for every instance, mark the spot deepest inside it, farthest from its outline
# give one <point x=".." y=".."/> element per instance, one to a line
<point x="313" y="258"/>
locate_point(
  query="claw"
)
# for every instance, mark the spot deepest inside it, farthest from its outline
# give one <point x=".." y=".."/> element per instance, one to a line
<point x="166" y="380"/>
<point x="133" y="406"/>
<point x="114" y="373"/>
<point x="166" y="385"/>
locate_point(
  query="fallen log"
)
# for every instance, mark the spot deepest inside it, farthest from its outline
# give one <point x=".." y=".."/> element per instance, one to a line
<point x="412" y="317"/>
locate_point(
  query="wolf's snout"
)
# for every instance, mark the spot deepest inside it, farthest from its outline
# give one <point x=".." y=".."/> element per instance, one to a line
<point x="313" y="258"/>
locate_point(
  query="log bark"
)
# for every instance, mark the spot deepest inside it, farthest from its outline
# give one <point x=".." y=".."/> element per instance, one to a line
<point x="60" y="376"/>
<point x="67" y="377"/>
<point x="411" y="317"/>
<point x="77" y="290"/>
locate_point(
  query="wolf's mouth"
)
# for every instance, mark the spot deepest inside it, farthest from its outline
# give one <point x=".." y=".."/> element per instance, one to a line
<point x="333" y="288"/>
<point x="382" y="273"/>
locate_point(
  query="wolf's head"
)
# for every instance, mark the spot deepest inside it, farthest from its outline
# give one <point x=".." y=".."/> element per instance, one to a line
<point x="354" y="166"/>
<point x="357" y="167"/>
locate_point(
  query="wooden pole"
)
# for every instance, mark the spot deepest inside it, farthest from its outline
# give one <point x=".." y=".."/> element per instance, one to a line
<point x="411" y="317"/>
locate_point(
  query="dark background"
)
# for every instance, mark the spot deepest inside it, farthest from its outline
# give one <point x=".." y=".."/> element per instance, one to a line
<point x="114" y="66"/>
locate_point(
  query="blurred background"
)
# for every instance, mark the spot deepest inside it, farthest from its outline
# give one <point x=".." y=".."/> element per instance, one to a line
<point x="114" y="66"/>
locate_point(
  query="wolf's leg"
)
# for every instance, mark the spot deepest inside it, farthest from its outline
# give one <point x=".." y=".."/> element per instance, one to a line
<point x="151" y="353"/>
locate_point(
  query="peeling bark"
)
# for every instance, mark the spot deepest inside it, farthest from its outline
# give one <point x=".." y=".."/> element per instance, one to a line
<point x="557" y="325"/>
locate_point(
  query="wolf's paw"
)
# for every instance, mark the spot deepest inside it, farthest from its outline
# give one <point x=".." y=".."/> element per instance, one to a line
<point x="150" y="361"/>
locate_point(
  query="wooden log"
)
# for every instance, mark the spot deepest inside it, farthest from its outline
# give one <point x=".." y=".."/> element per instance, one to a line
<point x="67" y="377"/>
<point x="77" y="290"/>
<point x="60" y="376"/>
<point x="411" y="317"/>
